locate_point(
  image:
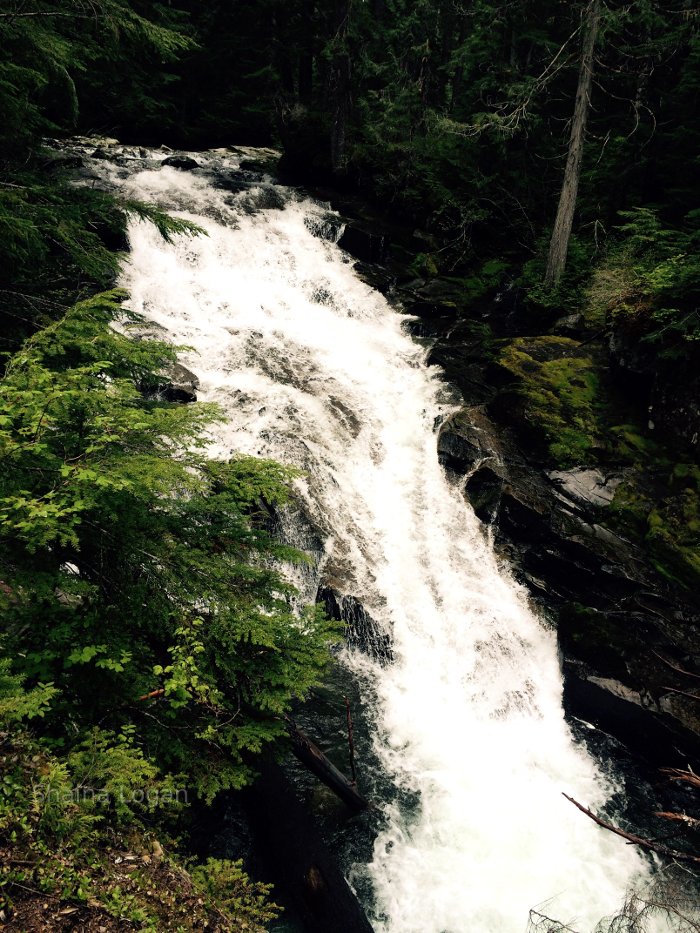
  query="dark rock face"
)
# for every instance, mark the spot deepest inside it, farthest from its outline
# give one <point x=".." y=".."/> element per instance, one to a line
<point x="625" y="639"/>
<point x="675" y="409"/>
<point x="363" y="242"/>
<point x="303" y="866"/>
<point x="184" y="163"/>
<point x="361" y="630"/>
<point x="182" y="386"/>
<point x="467" y="440"/>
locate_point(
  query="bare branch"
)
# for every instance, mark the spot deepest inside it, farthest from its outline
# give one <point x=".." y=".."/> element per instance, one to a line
<point x="650" y="844"/>
<point x="675" y="667"/>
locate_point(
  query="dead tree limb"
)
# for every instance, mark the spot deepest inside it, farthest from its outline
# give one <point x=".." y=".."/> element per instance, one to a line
<point x="649" y="844"/>
<point x="314" y="759"/>
<point x="559" y="243"/>
<point x="675" y="667"/>
<point x="683" y="693"/>
<point x="678" y="774"/>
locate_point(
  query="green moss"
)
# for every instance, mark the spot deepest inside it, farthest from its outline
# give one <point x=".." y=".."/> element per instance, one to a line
<point x="424" y="266"/>
<point x="674" y="536"/>
<point x="628" y="444"/>
<point x="666" y="519"/>
<point x="630" y="509"/>
<point x="558" y="387"/>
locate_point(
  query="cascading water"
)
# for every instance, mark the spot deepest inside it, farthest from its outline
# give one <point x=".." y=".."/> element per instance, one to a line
<point x="313" y="367"/>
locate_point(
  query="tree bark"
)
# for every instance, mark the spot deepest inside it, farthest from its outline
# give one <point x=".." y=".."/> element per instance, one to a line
<point x="559" y="244"/>
<point x="340" y="81"/>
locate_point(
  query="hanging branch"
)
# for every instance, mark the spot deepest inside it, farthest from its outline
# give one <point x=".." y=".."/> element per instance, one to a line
<point x="507" y="119"/>
<point x="649" y="844"/>
<point x="314" y="759"/>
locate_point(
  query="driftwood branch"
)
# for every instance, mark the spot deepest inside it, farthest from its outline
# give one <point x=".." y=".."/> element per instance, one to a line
<point x="153" y="693"/>
<point x="683" y="693"/>
<point x="650" y="844"/>
<point x="678" y="818"/>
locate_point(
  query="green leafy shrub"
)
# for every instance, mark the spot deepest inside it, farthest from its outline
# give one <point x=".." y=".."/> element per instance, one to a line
<point x="227" y="885"/>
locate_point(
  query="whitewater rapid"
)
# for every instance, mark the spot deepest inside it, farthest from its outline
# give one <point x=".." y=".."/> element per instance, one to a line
<point x="313" y="367"/>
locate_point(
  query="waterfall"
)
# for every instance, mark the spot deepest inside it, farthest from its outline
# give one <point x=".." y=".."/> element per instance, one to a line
<point x="314" y="368"/>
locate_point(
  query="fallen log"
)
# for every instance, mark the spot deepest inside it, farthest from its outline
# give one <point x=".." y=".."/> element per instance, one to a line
<point x="314" y="759"/>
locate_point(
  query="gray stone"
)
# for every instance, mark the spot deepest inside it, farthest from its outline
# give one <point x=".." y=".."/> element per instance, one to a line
<point x="590" y="487"/>
<point x="569" y="324"/>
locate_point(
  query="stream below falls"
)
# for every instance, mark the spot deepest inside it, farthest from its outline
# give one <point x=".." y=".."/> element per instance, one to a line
<point x="313" y="367"/>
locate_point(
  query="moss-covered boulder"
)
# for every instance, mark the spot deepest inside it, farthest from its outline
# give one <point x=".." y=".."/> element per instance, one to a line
<point x="551" y="395"/>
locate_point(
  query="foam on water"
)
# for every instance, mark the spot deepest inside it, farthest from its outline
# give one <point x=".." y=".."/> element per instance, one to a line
<point x="312" y="367"/>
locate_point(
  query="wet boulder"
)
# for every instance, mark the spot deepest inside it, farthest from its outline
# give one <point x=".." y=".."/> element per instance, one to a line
<point x="361" y="630"/>
<point x="184" y="163"/>
<point x="484" y="489"/>
<point x="181" y="386"/>
<point x="466" y="440"/>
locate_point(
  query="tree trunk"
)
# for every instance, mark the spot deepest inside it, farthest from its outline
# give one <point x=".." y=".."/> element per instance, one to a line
<point x="341" y="76"/>
<point x="559" y="244"/>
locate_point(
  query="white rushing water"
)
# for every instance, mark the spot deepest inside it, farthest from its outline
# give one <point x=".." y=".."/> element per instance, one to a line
<point x="313" y="367"/>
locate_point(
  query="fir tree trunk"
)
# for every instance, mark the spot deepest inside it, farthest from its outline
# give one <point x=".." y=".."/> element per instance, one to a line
<point x="559" y="244"/>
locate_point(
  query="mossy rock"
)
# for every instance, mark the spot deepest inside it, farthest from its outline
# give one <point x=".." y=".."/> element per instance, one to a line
<point x="424" y="266"/>
<point x="554" y="389"/>
<point x="673" y="536"/>
<point x="666" y="518"/>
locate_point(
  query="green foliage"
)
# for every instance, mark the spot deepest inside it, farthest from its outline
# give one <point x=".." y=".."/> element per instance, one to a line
<point x="49" y="48"/>
<point x="227" y="885"/>
<point x="58" y="242"/>
<point x="51" y="230"/>
<point x="564" y="298"/>
<point x="70" y="848"/>
<point x="661" y="303"/>
<point x="662" y="509"/>
<point x="167" y="225"/>
<point x="18" y="703"/>
<point x="134" y="564"/>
